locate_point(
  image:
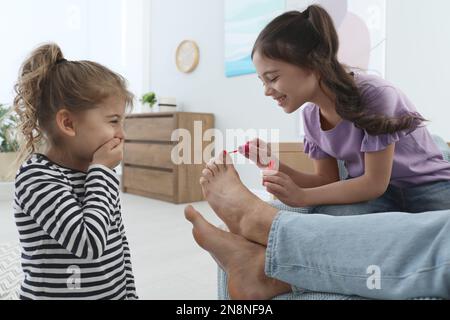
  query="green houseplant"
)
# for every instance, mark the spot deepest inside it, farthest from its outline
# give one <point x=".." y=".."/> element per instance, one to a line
<point x="9" y="144"/>
<point x="149" y="99"/>
<point x="8" y="130"/>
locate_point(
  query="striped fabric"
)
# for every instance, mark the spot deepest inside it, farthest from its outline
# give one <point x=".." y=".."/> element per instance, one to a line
<point x="71" y="232"/>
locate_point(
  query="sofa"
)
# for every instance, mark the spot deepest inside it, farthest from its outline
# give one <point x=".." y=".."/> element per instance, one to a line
<point x="222" y="277"/>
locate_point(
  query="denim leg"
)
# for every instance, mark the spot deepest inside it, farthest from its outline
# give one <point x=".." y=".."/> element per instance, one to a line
<point x="277" y="204"/>
<point x="299" y="293"/>
<point x="388" y="202"/>
<point x="430" y="197"/>
<point x="408" y="255"/>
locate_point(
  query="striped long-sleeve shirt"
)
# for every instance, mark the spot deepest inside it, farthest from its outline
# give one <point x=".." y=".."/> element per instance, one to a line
<point x="71" y="232"/>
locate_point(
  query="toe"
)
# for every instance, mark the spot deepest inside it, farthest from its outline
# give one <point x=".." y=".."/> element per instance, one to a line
<point x="191" y="214"/>
<point x="203" y="181"/>
<point x="213" y="167"/>
<point x="207" y="174"/>
<point x="219" y="161"/>
<point x="228" y="161"/>
<point x="195" y="217"/>
<point x="224" y="161"/>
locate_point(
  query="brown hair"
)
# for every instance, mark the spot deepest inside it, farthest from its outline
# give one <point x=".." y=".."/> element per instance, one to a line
<point x="309" y="40"/>
<point x="48" y="83"/>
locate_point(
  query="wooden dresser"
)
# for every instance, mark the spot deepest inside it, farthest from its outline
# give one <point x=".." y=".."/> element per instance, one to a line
<point x="148" y="169"/>
<point x="292" y="155"/>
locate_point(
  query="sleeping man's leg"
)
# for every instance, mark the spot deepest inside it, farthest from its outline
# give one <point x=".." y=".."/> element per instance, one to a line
<point x="409" y="254"/>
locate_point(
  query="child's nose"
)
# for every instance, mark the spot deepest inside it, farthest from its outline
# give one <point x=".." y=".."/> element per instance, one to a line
<point x="268" y="91"/>
<point x="120" y="133"/>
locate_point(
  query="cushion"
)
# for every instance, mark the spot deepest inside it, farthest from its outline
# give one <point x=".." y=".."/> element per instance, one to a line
<point x="10" y="271"/>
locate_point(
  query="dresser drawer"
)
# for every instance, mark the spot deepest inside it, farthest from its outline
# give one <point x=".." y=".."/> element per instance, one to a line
<point x="148" y="155"/>
<point x="149" y="129"/>
<point x="148" y="170"/>
<point x="149" y="181"/>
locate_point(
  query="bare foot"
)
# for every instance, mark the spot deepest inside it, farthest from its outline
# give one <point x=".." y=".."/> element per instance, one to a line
<point x="243" y="212"/>
<point x="242" y="260"/>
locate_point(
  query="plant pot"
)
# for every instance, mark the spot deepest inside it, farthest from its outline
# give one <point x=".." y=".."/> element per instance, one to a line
<point x="8" y="166"/>
<point x="167" y="104"/>
<point x="147" y="109"/>
<point x="168" y="109"/>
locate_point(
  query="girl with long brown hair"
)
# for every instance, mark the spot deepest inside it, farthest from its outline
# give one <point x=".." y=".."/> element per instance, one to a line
<point x="359" y="119"/>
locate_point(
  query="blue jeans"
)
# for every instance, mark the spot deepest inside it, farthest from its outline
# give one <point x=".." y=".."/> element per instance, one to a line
<point x="348" y="251"/>
<point x="429" y="197"/>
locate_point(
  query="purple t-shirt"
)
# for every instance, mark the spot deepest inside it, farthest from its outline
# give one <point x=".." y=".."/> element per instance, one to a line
<point x="417" y="159"/>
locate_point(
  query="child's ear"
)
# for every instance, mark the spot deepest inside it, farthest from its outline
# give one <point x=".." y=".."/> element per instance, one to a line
<point x="65" y="122"/>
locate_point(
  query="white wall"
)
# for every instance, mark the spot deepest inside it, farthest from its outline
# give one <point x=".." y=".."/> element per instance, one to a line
<point x="108" y="31"/>
<point x="418" y="51"/>
<point x="238" y="103"/>
<point x="417" y="61"/>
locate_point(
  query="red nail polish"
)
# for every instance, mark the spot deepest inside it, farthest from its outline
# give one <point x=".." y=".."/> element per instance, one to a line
<point x="247" y="148"/>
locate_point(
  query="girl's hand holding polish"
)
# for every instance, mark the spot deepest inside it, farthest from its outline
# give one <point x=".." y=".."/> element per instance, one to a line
<point x="260" y="153"/>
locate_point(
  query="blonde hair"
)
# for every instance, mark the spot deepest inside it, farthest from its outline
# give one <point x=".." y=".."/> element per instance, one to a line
<point x="48" y="83"/>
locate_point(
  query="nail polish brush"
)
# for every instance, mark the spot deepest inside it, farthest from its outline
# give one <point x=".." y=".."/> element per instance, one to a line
<point x="245" y="148"/>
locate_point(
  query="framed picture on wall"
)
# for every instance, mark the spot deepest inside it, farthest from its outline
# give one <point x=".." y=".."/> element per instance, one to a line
<point x="244" y="20"/>
<point x="361" y="25"/>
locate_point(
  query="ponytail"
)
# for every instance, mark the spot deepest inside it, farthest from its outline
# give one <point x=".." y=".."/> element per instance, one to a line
<point x="48" y="82"/>
<point x="29" y="88"/>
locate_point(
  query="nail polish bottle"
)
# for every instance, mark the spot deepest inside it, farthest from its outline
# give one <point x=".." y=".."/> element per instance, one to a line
<point x="245" y="149"/>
